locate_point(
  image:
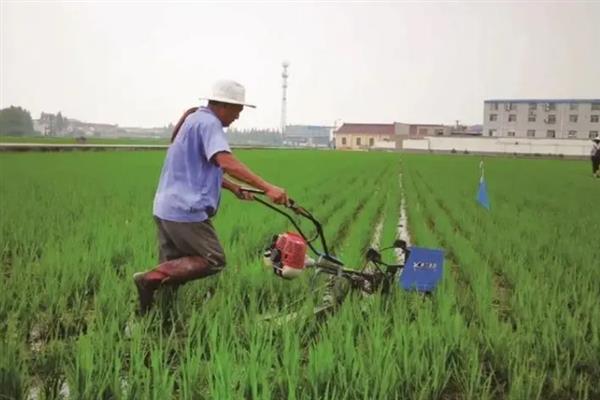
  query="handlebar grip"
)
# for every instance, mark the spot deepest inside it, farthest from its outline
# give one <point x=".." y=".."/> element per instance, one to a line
<point x="291" y="203"/>
<point x="252" y="190"/>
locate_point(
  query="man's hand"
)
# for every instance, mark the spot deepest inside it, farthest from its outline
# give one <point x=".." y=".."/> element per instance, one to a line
<point x="277" y="195"/>
<point x="242" y="194"/>
<point x="237" y="190"/>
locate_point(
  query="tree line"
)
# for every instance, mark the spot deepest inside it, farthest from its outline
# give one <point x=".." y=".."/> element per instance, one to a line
<point x="16" y="121"/>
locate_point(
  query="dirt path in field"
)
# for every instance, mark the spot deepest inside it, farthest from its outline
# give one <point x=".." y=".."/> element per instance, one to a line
<point x="403" y="232"/>
<point x="402" y="226"/>
<point x="377" y="233"/>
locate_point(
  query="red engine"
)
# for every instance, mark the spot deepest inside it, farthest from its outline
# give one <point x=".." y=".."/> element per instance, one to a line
<point x="293" y="249"/>
<point x="287" y="255"/>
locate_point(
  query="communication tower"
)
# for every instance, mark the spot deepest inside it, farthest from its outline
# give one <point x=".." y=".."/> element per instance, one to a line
<point x="284" y="76"/>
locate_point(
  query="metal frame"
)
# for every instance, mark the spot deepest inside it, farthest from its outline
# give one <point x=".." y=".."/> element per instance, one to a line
<point x="367" y="281"/>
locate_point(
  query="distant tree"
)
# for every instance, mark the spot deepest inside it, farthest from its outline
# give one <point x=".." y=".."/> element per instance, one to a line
<point x="60" y="123"/>
<point x="16" y="121"/>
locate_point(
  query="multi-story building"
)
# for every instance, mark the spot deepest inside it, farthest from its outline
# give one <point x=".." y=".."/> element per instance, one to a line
<point x="542" y="118"/>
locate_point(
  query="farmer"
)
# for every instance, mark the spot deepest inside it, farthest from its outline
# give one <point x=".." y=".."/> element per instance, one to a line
<point x="189" y="192"/>
<point x="596" y="157"/>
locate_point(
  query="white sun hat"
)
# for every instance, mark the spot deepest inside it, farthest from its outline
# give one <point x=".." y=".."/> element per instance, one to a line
<point x="227" y="91"/>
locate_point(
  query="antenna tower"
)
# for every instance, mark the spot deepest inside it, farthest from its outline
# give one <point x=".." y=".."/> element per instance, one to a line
<point x="284" y="76"/>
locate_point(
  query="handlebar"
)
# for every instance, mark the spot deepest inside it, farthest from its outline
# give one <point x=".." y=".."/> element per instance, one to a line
<point x="292" y="205"/>
<point x="252" y="190"/>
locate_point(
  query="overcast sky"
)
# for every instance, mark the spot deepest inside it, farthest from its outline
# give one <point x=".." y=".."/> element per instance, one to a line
<point x="143" y="63"/>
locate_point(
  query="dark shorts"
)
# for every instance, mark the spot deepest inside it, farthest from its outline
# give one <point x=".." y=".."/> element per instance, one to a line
<point x="184" y="239"/>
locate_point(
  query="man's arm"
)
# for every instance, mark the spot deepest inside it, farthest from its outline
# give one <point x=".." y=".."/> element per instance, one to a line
<point x="235" y="189"/>
<point x="238" y="170"/>
<point x="227" y="184"/>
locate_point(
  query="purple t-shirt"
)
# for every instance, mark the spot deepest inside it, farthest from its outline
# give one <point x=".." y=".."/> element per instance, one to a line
<point x="189" y="189"/>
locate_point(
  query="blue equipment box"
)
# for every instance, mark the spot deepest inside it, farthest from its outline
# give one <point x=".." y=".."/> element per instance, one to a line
<point x="422" y="270"/>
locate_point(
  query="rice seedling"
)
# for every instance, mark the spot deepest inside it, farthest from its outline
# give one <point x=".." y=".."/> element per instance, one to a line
<point x="515" y="316"/>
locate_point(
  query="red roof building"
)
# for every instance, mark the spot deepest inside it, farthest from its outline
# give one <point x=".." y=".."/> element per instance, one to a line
<point x="351" y="136"/>
<point x="362" y="136"/>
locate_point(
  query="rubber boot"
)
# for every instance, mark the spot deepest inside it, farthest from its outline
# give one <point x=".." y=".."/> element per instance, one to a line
<point x="174" y="272"/>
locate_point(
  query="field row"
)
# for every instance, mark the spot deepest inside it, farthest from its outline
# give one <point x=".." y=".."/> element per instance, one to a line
<point x="515" y="316"/>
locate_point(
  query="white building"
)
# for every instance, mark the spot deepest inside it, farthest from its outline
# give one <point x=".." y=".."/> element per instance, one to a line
<point x="542" y="118"/>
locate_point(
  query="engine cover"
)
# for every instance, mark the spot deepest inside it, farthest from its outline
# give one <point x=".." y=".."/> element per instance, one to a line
<point x="288" y="255"/>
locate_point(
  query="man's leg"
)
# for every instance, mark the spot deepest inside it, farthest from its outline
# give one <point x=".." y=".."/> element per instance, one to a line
<point x="187" y="251"/>
<point x="173" y="272"/>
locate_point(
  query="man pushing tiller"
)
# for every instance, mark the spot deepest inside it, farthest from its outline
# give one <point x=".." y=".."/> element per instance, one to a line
<point x="189" y="192"/>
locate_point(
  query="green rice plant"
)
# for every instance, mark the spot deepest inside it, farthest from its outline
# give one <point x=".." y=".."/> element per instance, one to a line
<point x="14" y="374"/>
<point x="522" y="268"/>
<point x="515" y="315"/>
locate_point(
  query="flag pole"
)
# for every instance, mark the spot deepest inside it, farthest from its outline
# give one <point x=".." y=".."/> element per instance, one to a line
<point x="482" y="195"/>
<point x="481" y="167"/>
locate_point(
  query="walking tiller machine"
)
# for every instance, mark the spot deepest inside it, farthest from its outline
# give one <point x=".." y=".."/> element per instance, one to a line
<point x="287" y="255"/>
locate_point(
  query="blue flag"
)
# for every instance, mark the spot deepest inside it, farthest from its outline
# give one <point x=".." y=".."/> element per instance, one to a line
<point x="482" y="195"/>
<point x="422" y="270"/>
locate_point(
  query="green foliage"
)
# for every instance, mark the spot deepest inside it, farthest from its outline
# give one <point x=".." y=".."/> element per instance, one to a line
<point x="515" y="316"/>
<point x="526" y="271"/>
<point x="15" y="121"/>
